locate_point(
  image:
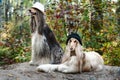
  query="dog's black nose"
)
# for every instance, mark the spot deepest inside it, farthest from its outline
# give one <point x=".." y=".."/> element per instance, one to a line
<point x="71" y="49"/>
<point x="29" y="10"/>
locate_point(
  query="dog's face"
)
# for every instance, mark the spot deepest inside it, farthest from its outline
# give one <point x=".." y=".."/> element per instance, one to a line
<point x="33" y="11"/>
<point x="34" y="14"/>
<point x="73" y="44"/>
<point x="37" y="20"/>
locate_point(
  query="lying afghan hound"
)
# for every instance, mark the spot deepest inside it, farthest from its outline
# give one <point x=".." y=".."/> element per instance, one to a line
<point x="45" y="48"/>
<point x="75" y="59"/>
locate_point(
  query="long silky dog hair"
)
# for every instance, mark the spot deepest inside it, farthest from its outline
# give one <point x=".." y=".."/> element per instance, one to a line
<point x="45" y="48"/>
<point x="75" y="59"/>
<point x="87" y="61"/>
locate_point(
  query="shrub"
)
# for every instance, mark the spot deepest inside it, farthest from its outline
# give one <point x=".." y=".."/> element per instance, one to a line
<point x="112" y="53"/>
<point x="17" y="43"/>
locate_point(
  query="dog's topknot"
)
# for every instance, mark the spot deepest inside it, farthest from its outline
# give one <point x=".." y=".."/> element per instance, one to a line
<point x="74" y="35"/>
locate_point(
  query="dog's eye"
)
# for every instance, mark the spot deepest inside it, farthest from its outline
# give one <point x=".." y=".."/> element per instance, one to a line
<point x="75" y="41"/>
<point x="70" y="40"/>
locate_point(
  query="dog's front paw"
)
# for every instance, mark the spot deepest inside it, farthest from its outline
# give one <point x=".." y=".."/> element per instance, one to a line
<point x="43" y="68"/>
<point x="62" y="68"/>
<point x="33" y="63"/>
<point x="65" y="71"/>
<point x="39" y="69"/>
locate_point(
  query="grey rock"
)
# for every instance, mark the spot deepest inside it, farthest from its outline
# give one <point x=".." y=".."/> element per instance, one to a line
<point x="23" y="71"/>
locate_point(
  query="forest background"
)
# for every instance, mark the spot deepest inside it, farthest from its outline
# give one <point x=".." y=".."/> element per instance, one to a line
<point x="96" y="21"/>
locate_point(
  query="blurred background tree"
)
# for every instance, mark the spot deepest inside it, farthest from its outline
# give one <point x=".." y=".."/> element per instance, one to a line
<point x="97" y="22"/>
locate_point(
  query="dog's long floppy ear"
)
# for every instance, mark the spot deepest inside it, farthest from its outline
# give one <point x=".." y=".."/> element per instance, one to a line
<point x="79" y="50"/>
<point x="79" y="54"/>
<point x="66" y="55"/>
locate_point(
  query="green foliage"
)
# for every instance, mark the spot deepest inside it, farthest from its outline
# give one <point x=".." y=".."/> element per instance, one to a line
<point x="62" y="17"/>
<point x="112" y="55"/>
<point x="5" y="56"/>
<point x="94" y="37"/>
<point x="17" y="44"/>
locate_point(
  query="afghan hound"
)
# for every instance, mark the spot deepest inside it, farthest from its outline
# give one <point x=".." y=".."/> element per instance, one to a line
<point x="75" y="59"/>
<point x="45" y="48"/>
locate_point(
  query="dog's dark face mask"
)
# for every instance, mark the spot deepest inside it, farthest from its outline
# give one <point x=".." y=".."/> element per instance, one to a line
<point x="37" y="20"/>
<point x="32" y="11"/>
<point x="33" y="23"/>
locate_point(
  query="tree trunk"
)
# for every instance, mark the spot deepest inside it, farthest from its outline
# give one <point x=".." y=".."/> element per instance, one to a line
<point x="6" y="11"/>
<point x="97" y="16"/>
<point x="118" y="13"/>
<point x="118" y="17"/>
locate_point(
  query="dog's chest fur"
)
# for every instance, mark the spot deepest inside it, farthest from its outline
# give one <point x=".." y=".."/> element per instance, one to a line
<point x="38" y="42"/>
<point x="72" y="53"/>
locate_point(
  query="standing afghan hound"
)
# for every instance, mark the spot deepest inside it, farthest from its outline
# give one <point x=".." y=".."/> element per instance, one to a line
<point x="75" y="59"/>
<point x="45" y="48"/>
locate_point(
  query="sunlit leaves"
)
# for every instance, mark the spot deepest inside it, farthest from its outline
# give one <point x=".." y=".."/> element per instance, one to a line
<point x="64" y="16"/>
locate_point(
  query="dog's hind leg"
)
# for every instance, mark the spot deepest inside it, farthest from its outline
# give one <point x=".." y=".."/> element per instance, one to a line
<point x="99" y="68"/>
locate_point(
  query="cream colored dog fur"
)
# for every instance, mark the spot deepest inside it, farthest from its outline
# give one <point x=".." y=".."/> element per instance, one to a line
<point x="75" y="60"/>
